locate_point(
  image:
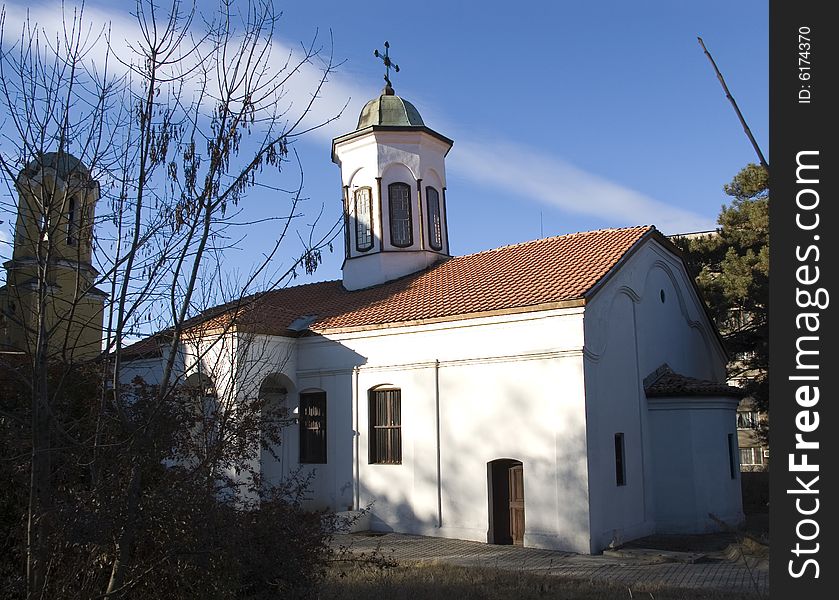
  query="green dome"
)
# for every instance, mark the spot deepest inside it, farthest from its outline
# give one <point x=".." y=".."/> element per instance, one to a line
<point x="389" y="109"/>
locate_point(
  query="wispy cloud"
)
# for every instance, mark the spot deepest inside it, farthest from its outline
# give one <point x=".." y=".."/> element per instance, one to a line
<point x="530" y="173"/>
<point x="525" y="171"/>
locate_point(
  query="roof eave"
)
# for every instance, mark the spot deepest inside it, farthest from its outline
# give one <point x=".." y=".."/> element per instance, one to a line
<point x="374" y="128"/>
<point x="570" y="303"/>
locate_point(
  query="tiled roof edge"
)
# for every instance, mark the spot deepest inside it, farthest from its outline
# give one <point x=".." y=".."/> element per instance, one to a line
<point x="570" y="303"/>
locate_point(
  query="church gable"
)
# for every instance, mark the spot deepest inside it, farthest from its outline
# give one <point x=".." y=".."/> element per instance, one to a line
<point x="665" y="308"/>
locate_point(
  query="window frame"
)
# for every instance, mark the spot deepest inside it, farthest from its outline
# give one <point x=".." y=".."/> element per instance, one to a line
<point x="410" y="218"/>
<point x="200" y="393"/>
<point x="733" y="451"/>
<point x="435" y="230"/>
<point x="750" y="419"/>
<point x="358" y="223"/>
<point x="391" y="453"/>
<point x="755" y="456"/>
<point x="620" y="460"/>
<point x="313" y="431"/>
<point x="72" y="223"/>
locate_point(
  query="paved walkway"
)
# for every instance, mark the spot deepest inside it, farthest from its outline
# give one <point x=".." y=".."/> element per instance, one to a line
<point x="714" y="574"/>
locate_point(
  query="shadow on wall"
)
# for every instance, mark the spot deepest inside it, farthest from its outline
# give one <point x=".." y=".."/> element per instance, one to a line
<point x="317" y="438"/>
<point x="475" y="504"/>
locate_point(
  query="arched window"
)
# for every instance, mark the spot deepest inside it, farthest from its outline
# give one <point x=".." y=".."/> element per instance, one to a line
<point x="363" y="219"/>
<point x="274" y="395"/>
<point x="72" y="222"/>
<point x="385" y="426"/>
<point x="313" y="427"/>
<point x="401" y="229"/>
<point x="199" y="392"/>
<point x="435" y="224"/>
<point x="43" y="226"/>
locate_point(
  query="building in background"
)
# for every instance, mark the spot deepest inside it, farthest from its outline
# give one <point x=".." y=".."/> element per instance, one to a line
<point x="50" y="279"/>
<point x="751" y="423"/>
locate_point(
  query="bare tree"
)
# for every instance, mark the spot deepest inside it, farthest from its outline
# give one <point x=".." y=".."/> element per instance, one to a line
<point x="51" y="102"/>
<point x="176" y="123"/>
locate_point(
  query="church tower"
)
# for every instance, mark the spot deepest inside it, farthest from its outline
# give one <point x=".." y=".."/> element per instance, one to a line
<point x="394" y="180"/>
<point x="51" y="263"/>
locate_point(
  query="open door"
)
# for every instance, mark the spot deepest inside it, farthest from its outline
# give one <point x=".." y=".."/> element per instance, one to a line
<point x="506" y="502"/>
<point x="515" y="476"/>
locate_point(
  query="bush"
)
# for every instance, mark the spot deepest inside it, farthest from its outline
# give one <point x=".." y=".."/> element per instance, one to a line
<point x="196" y="534"/>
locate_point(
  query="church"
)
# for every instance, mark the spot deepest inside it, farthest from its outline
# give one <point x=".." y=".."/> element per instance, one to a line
<point x="563" y="393"/>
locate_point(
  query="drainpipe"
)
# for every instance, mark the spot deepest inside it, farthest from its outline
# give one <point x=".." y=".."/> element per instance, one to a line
<point x="356" y="435"/>
<point x="439" y="470"/>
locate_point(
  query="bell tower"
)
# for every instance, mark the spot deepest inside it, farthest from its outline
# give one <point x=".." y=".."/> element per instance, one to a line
<point x="50" y="278"/>
<point x="394" y="190"/>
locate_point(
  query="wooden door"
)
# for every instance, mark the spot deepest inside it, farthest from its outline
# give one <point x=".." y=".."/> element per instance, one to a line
<point x="516" y="486"/>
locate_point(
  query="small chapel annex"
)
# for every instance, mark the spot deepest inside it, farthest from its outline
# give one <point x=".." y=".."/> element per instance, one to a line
<point x="562" y="393"/>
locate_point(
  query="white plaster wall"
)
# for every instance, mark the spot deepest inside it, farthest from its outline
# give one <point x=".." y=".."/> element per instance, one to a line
<point x="629" y="332"/>
<point x="331" y="486"/>
<point x="614" y="405"/>
<point x="149" y="370"/>
<point x="373" y="269"/>
<point x="259" y="357"/>
<point x="216" y="357"/>
<point x="693" y="474"/>
<point x="509" y="387"/>
<point x="237" y="363"/>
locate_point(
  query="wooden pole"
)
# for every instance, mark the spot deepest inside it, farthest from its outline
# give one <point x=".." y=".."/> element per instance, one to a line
<point x="736" y="108"/>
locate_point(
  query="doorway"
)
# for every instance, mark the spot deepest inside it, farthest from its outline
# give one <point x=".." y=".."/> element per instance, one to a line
<point x="505" y="478"/>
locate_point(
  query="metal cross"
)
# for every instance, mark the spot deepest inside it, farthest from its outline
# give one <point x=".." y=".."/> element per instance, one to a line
<point x="388" y="63"/>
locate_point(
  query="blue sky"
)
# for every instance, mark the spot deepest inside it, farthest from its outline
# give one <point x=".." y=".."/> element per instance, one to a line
<point x="566" y="116"/>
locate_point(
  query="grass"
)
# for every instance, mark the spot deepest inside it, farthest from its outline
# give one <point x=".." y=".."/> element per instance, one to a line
<point x="433" y="581"/>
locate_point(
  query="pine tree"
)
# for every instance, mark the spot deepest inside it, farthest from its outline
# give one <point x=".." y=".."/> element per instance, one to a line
<point x="732" y="271"/>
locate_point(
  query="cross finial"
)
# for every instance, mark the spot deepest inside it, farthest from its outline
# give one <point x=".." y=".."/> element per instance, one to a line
<point x="388" y="64"/>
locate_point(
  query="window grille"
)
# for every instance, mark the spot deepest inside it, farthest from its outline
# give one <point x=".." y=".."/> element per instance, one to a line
<point x="401" y="226"/>
<point x="385" y="427"/>
<point x="313" y="427"/>
<point x="363" y="219"/>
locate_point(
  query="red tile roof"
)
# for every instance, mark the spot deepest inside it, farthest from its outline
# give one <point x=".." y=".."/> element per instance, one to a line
<point x="529" y="276"/>
<point x="667" y="383"/>
<point x="145" y="348"/>
<point x="518" y="277"/>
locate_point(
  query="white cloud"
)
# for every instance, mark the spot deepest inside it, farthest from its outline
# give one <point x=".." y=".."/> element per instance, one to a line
<point x="122" y="30"/>
<point x="526" y="171"/>
<point x="553" y="181"/>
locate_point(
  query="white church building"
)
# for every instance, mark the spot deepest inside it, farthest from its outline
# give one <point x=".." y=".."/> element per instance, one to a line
<point x="562" y="393"/>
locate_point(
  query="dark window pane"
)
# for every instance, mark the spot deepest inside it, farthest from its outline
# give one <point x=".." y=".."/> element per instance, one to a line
<point x="401" y="230"/>
<point x="363" y="219"/>
<point x="435" y="225"/>
<point x="620" y="467"/>
<point x="732" y="449"/>
<point x="385" y="427"/>
<point x="313" y="427"/>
